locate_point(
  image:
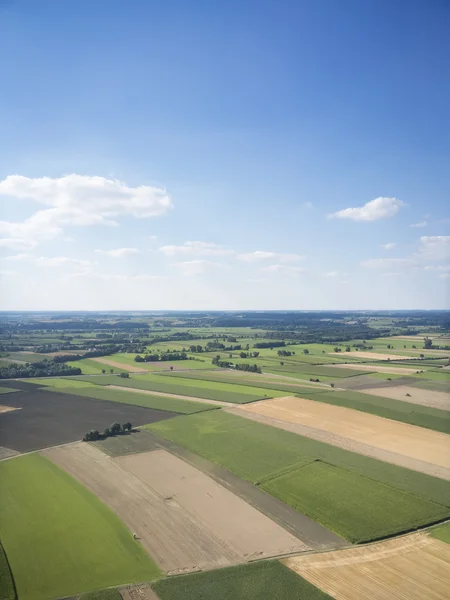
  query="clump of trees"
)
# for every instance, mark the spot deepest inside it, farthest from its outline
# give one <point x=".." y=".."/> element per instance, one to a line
<point x="270" y="345"/>
<point x="226" y="364"/>
<point x="44" y="368"/>
<point x="284" y="353"/>
<point x="114" y="429"/>
<point x="427" y="343"/>
<point x="161" y="357"/>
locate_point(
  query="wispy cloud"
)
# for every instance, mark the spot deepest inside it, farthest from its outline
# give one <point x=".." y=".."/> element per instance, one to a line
<point x="429" y="250"/>
<point x="387" y="263"/>
<point x="198" y="267"/>
<point x="308" y="204"/>
<point x="389" y="245"/>
<point x="119" y="252"/>
<point x="50" y="261"/>
<point x="380" y="208"/>
<point x="76" y="200"/>
<point x="196" y="249"/>
<point x="418" y="225"/>
<point x="289" y="270"/>
<point x="261" y="255"/>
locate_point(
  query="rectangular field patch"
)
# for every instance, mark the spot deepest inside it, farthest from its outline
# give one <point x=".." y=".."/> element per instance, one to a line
<point x="333" y="497"/>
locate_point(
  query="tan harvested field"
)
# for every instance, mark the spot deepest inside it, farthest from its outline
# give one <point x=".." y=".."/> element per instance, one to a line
<point x="417" y="395"/>
<point x="149" y="392"/>
<point x="380" y="356"/>
<point x="352" y="426"/>
<point x="375" y="368"/>
<point x="413" y="567"/>
<point x="4" y="409"/>
<point x="184" y="519"/>
<point x="118" y="365"/>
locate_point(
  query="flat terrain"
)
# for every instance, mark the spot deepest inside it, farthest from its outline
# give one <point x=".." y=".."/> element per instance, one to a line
<point x="49" y="418"/>
<point x="414" y="567"/>
<point x="59" y="539"/>
<point x="416" y="395"/>
<point x="177" y="396"/>
<point x="260" y="454"/>
<point x="4" y="409"/>
<point x="416" y="443"/>
<point x="259" y="581"/>
<point x="379" y="356"/>
<point x="118" y="365"/>
<point x="185" y="520"/>
<point x="376" y="368"/>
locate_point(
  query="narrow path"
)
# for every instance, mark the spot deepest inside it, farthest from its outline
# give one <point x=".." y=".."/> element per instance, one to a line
<point x="165" y="394"/>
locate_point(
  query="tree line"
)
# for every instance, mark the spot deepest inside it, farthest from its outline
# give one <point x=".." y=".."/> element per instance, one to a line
<point x="114" y="429"/>
<point x="45" y="368"/>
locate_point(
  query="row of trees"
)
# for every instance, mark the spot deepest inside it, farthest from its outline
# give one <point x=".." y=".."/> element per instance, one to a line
<point x="115" y="429"/>
<point x="45" y="368"/>
<point x="226" y="364"/>
<point x="162" y="357"/>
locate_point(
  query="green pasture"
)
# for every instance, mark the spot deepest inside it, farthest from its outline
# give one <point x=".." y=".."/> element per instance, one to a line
<point x="7" y="591"/>
<point x="255" y="581"/>
<point x="6" y="390"/>
<point x="189" y="387"/>
<point x="437" y="386"/>
<point x="29" y="357"/>
<point x="59" y="538"/>
<point x="89" y="366"/>
<point x="258" y="452"/>
<point x="183" y="407"/>
<point x="397" y="410"/>
<point x="387" y="509"/>
<point x="60" y="382"/>
<point x="442" y="533"/>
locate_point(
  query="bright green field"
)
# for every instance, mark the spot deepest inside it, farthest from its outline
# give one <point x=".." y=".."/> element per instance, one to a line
<point x="266" y="580"/>
<point x="259" y="452"/>
<point x="6" y="583"/>
<point x="442" y="533"/>
<point x="405" y="412"/>
<point x="89" y="366"/>
<point x="387" y="510"/>
<point x="183" y="407"/>
<point x="128" y="359"/>
<point x="59" y="382"/>
<point x="189" y="387"/>
<point x="59" y="538"/>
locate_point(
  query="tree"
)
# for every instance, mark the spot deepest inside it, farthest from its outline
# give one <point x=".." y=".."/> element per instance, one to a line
<point x="305" y="351"/>
<point x="127" y="426"/>
<point x="348" y="349"/>
<point x="427" y="343"/>
<point x="115" y="428"/>
<point x="111" y="370"/>
<point x="124" y="375"/>
<point x="107" y="432"/>
<point x="171" y="367"/>
<point x="103" y="371"/>
<point x="281" y="363"/>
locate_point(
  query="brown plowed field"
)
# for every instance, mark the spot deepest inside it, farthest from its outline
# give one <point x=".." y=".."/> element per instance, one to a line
<point x="185" y="520"/>
<point x="413" y="442"/>
<point x="118" y="365"/>
<point x="149" y="392"/>
<point x="414" y="567"/>
<point x="417" y="395"/>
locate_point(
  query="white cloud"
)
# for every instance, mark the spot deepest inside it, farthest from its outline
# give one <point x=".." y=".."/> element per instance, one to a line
<point x="48" y="261"/>
<point x="444" y="275"/>
<point x="198" y="267"/>
<point x="437" y="268"/>
<point x="77" y="200"/>
<point x="434" y="247"/>
<point x="195" y="249"/>
<point x="332" y="274"/>
<point x="284" y="270"/>
<point x="389" y="245"/>
<point x="113" y="276"/>
<point x="308" y="204"/>
<point x="387" y="263"/>
<point x="119" y="252"/>
<point x="380" y="208"/>
<point x="418" y="225"/>
<point x="260" y="255"/>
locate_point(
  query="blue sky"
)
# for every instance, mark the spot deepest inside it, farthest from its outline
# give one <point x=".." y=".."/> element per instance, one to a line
<point x="235" y="155"/>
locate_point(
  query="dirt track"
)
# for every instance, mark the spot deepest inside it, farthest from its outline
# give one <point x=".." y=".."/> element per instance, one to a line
<point x="185" y="520"/>
<point x="149" y="392"/>
<point x="415" y="447"/>
<point x="414" y="567"/>
<point x="417" y="395"/>
<point x="118" y="365"/>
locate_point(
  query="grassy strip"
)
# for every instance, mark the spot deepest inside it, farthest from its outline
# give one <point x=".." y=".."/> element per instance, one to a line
<point x="6" y="390"/>
<point x="435" y="386"/>
<point x="387" y="510"/>
<point x="183" y="407"/>
<point x="397" y="410"/>
<point x="108" y="594"/>
<point x="59" y="382"/>
<point x="59" y="538"/>
<point x="7" y="589"/>
<point x="256" y="581"/>
<point x="442" y="533"/>
<point x="254" y="451"/>
<point x="186" y="387"/>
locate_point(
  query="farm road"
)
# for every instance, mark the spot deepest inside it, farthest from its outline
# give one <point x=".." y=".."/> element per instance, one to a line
<point x="308" y="531"/>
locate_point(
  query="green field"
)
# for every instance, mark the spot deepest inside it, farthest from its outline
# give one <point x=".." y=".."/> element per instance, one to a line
<point x="387" y="510"/>
<point x="59" y="538"/>
<point x="6" y="390"/>
<point x="259" y="452"/>
<point x="187" y="387"/>
<point x="183" y="407"/>
<point x="405" y="412"/>
<point x="267" y="580"/>
<point x="59" y="382"/>
<point x="89" y="366"/>
<point x="442" y="533"/>
<point x="7" y="591"/>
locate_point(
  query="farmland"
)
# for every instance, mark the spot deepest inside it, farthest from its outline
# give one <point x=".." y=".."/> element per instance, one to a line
<point x="258" y="581"/>
<point x="259" y="453"/>
<point x="54" y="556"/>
